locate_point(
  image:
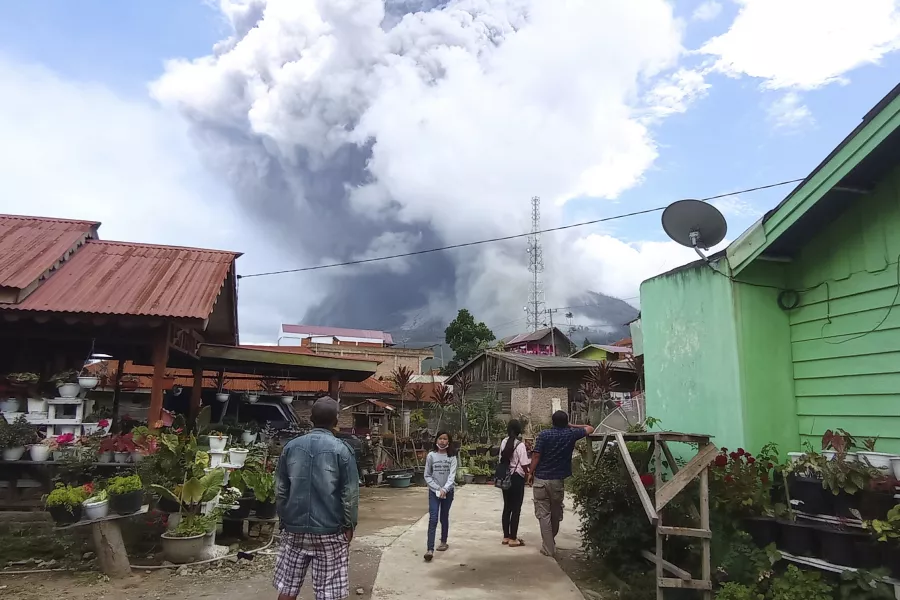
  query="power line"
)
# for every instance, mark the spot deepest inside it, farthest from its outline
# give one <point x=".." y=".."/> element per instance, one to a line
<point x="506" y="237"/>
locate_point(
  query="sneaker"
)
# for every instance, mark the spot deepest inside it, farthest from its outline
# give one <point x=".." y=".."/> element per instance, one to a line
<point x="428" y="556"/>
<point x="443" y="547"/>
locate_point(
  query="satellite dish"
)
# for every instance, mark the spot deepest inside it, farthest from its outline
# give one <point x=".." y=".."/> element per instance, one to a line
<point x="694" y="224"/>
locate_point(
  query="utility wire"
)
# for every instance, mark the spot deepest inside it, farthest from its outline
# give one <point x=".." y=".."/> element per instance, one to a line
<point x="506" y="237"/>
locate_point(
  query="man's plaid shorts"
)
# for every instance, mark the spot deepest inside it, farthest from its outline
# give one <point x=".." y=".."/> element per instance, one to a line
<point x="329" y="556"/>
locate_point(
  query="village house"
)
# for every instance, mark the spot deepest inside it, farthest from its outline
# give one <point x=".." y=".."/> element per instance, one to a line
<point x="603" y="352"/>
<point x="549" y="341"/>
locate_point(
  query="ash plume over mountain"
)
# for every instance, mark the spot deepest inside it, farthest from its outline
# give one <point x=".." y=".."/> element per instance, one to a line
<point x="359" y="128"/>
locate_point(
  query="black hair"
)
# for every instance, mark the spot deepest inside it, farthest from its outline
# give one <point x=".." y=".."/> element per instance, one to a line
<point x="450" y="450"/>
<point x="513" y="429"/>
<point x="560" y="419"/>
<point x="324" y="413"/>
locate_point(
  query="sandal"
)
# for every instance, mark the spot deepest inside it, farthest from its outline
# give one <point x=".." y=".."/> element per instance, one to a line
<point x="516" y="543"/>
<point x="505" y="541"/>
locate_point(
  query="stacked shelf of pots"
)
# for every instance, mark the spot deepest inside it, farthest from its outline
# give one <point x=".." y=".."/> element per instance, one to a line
<point x="827" y="526"/>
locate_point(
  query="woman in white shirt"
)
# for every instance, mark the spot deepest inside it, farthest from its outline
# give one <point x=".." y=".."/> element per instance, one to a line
<point x="515" y="455"/>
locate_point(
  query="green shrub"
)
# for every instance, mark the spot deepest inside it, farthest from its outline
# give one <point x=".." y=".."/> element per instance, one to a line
<point x="124" y="485"/>
<point x="741" y="561"/>
<point x="737" y="591"/>
<point x="795" y="584"/>
<point x="66" y="495"/>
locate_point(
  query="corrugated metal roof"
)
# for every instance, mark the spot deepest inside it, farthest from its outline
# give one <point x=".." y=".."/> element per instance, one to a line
<point x="532" y="336"/>
<point x="537" y="362"/>
<point x="30" y="246"/>
<point x="318" y="330"/>
<point x="134" y="279"/>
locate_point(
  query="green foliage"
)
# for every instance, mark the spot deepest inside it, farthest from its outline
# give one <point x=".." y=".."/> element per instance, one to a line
<point x="738" y="591"/>
<point x="17" y="434"/>
<point x="849" y="476"/>
<point x="191" y="525"/>
<point x="466" y="337"/>
<point x="262" y="484"/>
<point x="888" y="529"/>
<point x="742" y="561"/>
<point x="66" y="495"/>
<point x="98" y="496"/>
<point x="124" y="485"/>
<point x="795" y="584"/>
<point x="864" y="585"/>
<point x="740" y="483"/>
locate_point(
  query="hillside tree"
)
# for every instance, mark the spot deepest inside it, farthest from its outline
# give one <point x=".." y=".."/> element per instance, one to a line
<point x="466" y="338"/>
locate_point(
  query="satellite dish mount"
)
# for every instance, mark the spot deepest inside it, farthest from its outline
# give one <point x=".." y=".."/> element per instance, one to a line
<point x="694" y="224"/>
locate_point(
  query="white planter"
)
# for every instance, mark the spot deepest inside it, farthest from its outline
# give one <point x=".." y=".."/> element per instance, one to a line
<point x="796" y="456"/>
<point x="39" y="452"/>
<point x="248" y="438"/>
<point x="217" y="443"/>
<point x="852" y="457"/>
<point x="895" y="467"/>
<point x="829" y="454"/>
<point x="67" y="429"/>
<point x="10" y="405"/>
<point x="37" y="406"/>
<point x="58" y="455"/>
<point x="104" y="457"/>
<point x="222" y="397"/>
<point x="90" y="428"/>
<point x="122" y="457"/>
<point x="879" y="460"/>
<point x="287" y="399"/>
<point x="69" y="390"/>
<point x="13" y="453"/>
<point x="88" y="383"/>
<point x="216" y="457"/>
<point x="237" y="457"/>
<point x="96" y="510"/>
<point x="136" y="457"/>
<point x="253" y="398"/>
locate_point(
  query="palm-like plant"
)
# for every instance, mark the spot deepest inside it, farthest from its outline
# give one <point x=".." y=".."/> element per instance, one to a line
<point x="401" y="377"/>
<point x="418" y="393"/>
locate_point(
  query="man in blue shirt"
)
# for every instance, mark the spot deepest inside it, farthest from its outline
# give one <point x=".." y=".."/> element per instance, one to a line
<point x="317" y="493"/>
<point x="551" y="464"/>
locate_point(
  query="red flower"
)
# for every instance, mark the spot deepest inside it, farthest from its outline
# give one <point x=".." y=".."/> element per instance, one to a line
<point x="88" y="488"/>
<point x="729" y="479"/>
<point x="770" y="466"/>
<point x="750" y="460"/>
<point x="647" y="479"/>
<point x="764" y="478"/>
<point x="104" y="423"/>
<point x="721" y="460"/>
<point x="740" y="452"/>
<point x="734" y="456"/>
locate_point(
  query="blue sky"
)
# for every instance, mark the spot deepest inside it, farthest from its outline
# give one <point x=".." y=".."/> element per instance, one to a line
<point x="94" y="99"/>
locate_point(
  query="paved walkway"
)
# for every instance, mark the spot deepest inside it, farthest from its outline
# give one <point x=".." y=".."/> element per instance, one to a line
<point x="477" y="565"/>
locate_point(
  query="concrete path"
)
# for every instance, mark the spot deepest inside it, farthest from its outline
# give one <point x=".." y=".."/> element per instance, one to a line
<point x="477" y="565"/>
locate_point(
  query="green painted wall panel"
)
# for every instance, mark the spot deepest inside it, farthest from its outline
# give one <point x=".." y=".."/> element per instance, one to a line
<point x="846" y="374"/>
<point x="593" y="354"/>
<point x="891" y="445"/>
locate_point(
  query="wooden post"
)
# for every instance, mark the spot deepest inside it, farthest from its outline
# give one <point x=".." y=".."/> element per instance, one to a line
<point x="704" y="524"/>
<point x="160" y="359"/>
<point x="196" y="392"/>
<point x="333" y="385"/>
<point x="657" y="457"/>
<point x="111" y="553"/>
<point x="117" y="394"/>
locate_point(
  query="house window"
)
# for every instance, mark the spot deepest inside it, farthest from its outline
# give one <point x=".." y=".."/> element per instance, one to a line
<point x="505" y="402"/>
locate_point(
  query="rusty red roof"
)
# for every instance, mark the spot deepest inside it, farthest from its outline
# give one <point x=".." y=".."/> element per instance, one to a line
<point x="122" y="278"/>
<point x="318" y="330"/>
<point x="31" y="246"/>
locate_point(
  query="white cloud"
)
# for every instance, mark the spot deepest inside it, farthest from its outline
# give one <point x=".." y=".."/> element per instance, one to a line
<point x="708" y="11"/>
<point x="736" y="207"/>
<point x="676" y="93"/>
<point x="789" y="113"/>
<point x="805" y="44"/>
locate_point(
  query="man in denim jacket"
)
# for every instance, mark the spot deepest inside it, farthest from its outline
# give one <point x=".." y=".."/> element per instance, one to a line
<point x="317" y="492"/>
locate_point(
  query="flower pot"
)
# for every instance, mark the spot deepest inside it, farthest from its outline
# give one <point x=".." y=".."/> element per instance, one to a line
<point x="468" y="478"/>
<point x="122" y="457"/>
<point x="59" y="455"/>
<point x="13" y="453"/>
<point x="797" y="538"/>
<point x="252" y="398"/>
<point x="216" y="458"/>
<point x="62" y="516"/>
<point x="69" y="390"/>
<point x="418" y="477"/>
<point x="399" y="481"/>
<point x="763" y="530"/>
<point x="90" y="428"/>
<point x="245" y="505"/>
<point x="879" y="460"/>
<point x="37" y="406"/>
<point x="836" y="546"/>
<point x="265" y="510"/>
<point x="237" y="456"/>
<point x="868" y="553"/>
<point x="64" y="429"/>
<point x="875" y="505"/>
<point x="128" y="386"/>
<point x="105" y="457"/>
<point x="39" y="452"/>
<point x="248" y="437"/>
<point x="88" y="383"/>
<point x="829" y="454"/>
<point x="125" y="504"/>
<point x="480" y="479"/>
<point x="287" y="399"/>
<point x="371" y="478"/>
<point x="223" y="397"/>
<point x="895" y="467"/>
<point x="136" y="457"/>
<point x="217" y="442"/>
<point x="181" y="550"/>
<point x="843" y="504"/>
<point x="10" y="405"/>
<point x="96" y="510"/>
<point x="813" y="497"/>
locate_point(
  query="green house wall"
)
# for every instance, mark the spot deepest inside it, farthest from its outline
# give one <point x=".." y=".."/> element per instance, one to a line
<point x="592" y="353"/>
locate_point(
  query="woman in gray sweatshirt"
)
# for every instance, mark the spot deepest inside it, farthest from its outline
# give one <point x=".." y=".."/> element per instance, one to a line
<point x="440" y="475"/>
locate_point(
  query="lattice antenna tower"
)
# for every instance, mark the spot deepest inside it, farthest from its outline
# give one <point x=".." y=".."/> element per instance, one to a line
<point x="535" y="307"/>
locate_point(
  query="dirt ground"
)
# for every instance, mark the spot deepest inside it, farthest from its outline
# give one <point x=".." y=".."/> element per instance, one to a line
<point x="384" y="515"/>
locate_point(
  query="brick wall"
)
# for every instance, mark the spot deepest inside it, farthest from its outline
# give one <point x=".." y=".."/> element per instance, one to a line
<point x="538" y="404"/>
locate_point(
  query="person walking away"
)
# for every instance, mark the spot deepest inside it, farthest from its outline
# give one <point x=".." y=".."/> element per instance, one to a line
<point x="440" y="475"/>
<point x="317" y="497"/>
<point x="551" y="464"/>
<point x="513" y="454"/>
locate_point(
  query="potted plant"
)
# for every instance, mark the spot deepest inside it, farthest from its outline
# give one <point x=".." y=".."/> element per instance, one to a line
<point x="121" y="446"/>
<point x="263" y="486"/>
<point x="41" y="451"/>
<point x="741" y="486"/>
<point x="64" y="503"/>
<point x="251" y="430"/>
<point x="61" y="445"/>
<point x="24" y="379"/>
<point x="15" y="436"/>
<point x="66" y="383"/>
<point x="246" y="500"/>
<point x="186" y="542"/>
<point x="237" y="456"/>
<point x="844" y="478"/>
<point x="128" y="383"/>
<point x="87" y="381"/>
<point x="287" y="399"/>
<point x="145" y="443"/>
<point x="37" y="405"/>
<point x="271" y="386"/>
<point x="803" y="480"/>
<point x="217" y="441"/>
<point x="126" y="494"/>
<point x="97" y="504"/>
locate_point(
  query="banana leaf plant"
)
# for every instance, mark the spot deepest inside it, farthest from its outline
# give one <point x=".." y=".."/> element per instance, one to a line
<point x="190" y="496"/>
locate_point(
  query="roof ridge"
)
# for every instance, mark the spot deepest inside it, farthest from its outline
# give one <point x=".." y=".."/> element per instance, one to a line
<point x="50" y="219"/>
<point x="165" y="247"/>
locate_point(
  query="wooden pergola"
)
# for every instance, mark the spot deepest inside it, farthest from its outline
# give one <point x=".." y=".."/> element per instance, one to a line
<point x="666" y="491"/>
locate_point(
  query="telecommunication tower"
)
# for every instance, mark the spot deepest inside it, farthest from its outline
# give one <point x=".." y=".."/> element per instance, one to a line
<point x="535" y="307"/>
